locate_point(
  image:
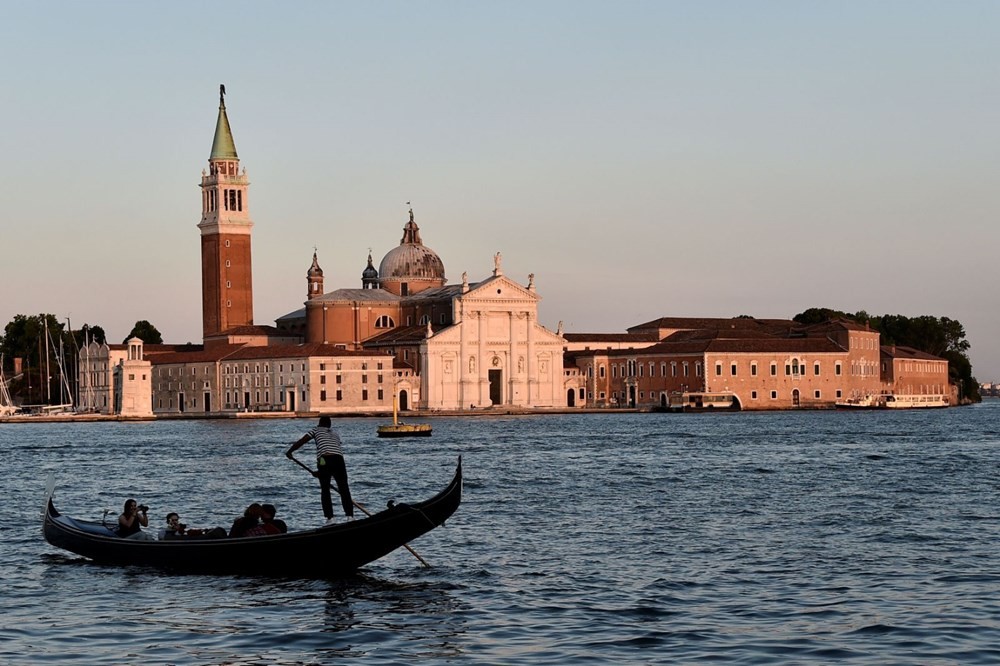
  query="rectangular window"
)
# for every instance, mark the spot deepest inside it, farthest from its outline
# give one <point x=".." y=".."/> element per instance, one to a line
<point x="340" y="379"/>
<point x="839" y="393"/>
<point x="774" y="369"/>
<point x="340" y="394"/>
<point x="753" y="395"/>
<point x="381" y="395"/>
<point x="816" y="369"/>
<point x="753" y="369"/>
<point x="774" y="395"/>
<point x="364" y="394"/>
<point x="718" y="369"/>
<point x="836" y="369"/>
<point x="817" y="394"/>
<point x="600" y="371"/>
<point x="732" y="369"/>
<point x="322" y="395"/>
<point x="322" y="379"/>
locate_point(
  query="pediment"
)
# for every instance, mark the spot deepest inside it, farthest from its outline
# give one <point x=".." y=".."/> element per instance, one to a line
<point x="502" y="289"/>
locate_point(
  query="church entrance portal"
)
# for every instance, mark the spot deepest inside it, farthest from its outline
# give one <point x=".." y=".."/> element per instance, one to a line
<point x="496" y="386"/>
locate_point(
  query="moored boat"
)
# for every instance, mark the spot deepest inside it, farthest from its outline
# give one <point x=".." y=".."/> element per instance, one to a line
<point x="405" y="430"/>
<point x="330" y="550"/>
<point x="398" y="429"/>
<point x="864" y="402"/>
<point x="703" y="401"/>
<point x="915" y="401"/>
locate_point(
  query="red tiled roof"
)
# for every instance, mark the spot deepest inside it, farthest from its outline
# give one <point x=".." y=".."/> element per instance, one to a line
<point x="410" y="335"/>
<point x="250" y="352"/>
<point x="900" y="351"/>
<point x="715" y="322"/>
<point x="641" y="336"/>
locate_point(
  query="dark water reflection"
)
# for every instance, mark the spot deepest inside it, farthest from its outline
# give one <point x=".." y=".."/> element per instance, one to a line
<point x="745" y="538"/>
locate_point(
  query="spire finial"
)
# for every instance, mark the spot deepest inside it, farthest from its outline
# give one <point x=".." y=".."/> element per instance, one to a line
<point x="222" y="94"/>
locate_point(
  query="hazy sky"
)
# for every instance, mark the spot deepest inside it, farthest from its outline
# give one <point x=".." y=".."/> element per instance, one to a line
<point x="643" y="159"/>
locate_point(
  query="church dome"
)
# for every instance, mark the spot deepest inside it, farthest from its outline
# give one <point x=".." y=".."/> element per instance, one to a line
<point x="411" y="260"/>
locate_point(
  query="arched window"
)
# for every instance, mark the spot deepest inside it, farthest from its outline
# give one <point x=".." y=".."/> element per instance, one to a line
<point x="385" y="321"/>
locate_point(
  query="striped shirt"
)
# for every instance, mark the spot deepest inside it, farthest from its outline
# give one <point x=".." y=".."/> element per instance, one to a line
<point x="327" y="442"/>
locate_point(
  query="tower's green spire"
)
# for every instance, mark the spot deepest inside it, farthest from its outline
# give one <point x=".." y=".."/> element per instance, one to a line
<point x="223" y="146"/>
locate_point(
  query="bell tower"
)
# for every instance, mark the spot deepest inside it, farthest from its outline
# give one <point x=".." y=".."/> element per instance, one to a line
<point x="315" y="279"/>
<point x="226" y="275"/>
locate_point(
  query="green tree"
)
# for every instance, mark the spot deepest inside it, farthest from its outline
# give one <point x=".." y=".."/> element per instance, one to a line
<point x="145" y="332"/>
<point x="25" y="338"/>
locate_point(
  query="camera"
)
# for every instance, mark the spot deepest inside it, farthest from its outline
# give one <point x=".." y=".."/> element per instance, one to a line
<point x="142" y="508"/>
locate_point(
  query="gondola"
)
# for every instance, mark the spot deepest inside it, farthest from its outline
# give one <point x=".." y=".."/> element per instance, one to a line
<point x="330" y="550"/>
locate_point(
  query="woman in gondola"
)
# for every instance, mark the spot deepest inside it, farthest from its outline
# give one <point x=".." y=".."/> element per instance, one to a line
<point x="132" y="520"/>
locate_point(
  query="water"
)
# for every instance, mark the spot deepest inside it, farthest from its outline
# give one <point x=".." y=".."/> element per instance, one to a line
<point x="783" y="538"/>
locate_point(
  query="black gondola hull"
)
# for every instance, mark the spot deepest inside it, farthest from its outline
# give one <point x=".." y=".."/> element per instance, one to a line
<point x="326" y="551"/>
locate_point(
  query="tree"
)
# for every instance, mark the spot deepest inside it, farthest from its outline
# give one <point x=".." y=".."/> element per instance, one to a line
<point x="819" y="315"/>
<point x="88" y="333"/>
<point x="145" y="332"/>
<point x="25" y="338"/>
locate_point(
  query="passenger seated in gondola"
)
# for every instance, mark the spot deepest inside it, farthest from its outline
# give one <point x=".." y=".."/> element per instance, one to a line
<point x="132" y="520"/>
<point x="272" y="525"/>
<point x="175" y="528"/>
<point x="249" y="523"/>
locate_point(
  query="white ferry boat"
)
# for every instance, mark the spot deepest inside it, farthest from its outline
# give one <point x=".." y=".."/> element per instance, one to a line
<point x="906" y="401"/>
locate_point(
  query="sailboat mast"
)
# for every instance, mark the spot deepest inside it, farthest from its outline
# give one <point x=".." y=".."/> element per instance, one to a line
<point x="48" y="375"/>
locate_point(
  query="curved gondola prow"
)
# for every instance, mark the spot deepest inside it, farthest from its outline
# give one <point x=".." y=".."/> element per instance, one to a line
<point x="47" y="506"/>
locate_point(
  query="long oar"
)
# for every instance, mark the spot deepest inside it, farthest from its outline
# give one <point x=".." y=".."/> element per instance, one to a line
<point x="358" y="506"/>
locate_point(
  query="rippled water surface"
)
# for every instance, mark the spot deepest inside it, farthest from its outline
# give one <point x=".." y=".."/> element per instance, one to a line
<point x="785" y="538"/>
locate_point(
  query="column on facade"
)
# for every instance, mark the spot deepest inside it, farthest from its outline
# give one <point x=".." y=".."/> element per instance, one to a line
<point x="513" y="372"/>
<point x="481" y="361"/>
<point x="530" y="365"/>
<point x="462" y="371"/>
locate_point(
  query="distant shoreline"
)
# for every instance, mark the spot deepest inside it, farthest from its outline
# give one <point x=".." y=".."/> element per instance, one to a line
<point x="499" y="411"/>
<point x="483" y="412"/>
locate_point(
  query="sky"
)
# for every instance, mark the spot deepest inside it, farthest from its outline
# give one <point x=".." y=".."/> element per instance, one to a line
<point x="642" y="159"/>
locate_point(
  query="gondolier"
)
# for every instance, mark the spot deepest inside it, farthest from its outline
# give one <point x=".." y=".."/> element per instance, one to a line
<point x="330" y="463"/>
